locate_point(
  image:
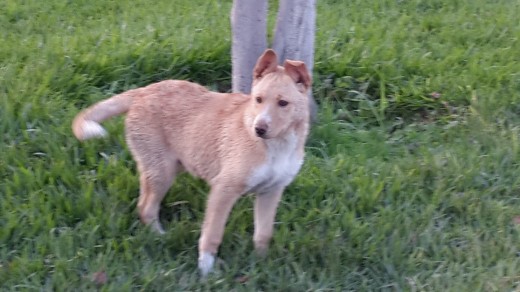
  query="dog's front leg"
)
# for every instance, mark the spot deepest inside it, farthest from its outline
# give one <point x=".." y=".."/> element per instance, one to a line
<point x="220" y="202"/>
<point x="265" y="212"/>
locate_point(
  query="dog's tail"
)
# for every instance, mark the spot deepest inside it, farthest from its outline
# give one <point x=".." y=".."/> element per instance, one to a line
<point x="86" y="123"/>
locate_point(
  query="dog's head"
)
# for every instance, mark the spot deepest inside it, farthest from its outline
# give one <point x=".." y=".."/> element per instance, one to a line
<point x="279" y="96"/>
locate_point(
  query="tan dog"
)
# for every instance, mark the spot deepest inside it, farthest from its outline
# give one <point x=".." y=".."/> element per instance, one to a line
<point x="237" y="143"/>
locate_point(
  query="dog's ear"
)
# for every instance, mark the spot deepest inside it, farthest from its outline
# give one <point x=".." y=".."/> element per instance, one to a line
<point x="299" y="73"/>
<point x="266" y="64"/>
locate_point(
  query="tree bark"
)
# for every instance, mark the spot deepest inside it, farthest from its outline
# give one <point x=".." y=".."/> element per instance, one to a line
<point x="249" y="40"/>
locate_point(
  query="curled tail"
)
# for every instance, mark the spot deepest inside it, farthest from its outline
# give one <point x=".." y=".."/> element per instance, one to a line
<point x="86" y="123"/>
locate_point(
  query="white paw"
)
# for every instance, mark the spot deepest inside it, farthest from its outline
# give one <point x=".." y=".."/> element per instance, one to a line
<point x="206" y="261"/>
<point x="157" y="227"/>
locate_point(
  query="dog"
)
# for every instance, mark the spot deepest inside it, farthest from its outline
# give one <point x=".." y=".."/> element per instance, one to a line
<point x="237" y="143"/>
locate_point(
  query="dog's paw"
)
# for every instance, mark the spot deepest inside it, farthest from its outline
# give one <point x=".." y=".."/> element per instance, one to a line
<point x="206" y="262"/>
<point x="261" y="247"/>
<point x="157" y="227"/>
<point x="261" y="251"/>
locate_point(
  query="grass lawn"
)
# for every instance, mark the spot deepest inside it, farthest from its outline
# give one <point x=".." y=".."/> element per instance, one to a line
<point x="411" y="180"/>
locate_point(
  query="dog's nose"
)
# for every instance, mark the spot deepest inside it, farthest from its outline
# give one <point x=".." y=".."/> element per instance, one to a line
<point x="260" y="131"/>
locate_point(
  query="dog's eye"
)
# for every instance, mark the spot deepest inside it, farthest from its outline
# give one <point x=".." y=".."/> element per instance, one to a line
<point x="258" y="99"/>
<point x="282" y="103"/>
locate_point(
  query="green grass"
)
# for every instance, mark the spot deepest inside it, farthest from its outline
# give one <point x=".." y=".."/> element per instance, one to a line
<point x="401" y="189"/>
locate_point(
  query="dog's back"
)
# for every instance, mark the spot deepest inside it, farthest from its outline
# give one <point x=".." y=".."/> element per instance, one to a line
<point x="200" y="128"/>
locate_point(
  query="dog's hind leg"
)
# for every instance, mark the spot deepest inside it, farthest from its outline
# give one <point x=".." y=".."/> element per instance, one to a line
<point x="154" y="184"/>
<point x="157" y="167"/>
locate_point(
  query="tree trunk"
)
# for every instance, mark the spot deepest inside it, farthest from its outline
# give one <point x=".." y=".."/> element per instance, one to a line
<point x="249" y="40"/>
<point x="294" y="35"/>
<point x="294" y="32"/>
<point x="293" y="39"/>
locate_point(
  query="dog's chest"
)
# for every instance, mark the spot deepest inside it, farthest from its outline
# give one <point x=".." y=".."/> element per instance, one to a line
<point x="280" y="167"/>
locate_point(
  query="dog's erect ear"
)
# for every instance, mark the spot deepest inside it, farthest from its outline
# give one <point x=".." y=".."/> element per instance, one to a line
<point x="266" y="64"/>
<point x="299" y="73"/>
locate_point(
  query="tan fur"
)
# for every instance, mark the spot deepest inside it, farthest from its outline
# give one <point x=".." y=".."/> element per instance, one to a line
<point x="175" y="125"/>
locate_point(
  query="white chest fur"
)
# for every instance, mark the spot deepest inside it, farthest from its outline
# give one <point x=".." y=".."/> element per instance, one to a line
<point x="282" y="163"/>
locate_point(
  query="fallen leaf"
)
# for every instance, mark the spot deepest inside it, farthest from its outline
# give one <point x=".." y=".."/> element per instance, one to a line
<point x="242" y="279"/>
<point x="99" y="278"/>
<point x="435" y="95"/>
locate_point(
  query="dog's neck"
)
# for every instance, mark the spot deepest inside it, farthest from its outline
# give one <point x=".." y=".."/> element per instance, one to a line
<point x="288" y="141"/>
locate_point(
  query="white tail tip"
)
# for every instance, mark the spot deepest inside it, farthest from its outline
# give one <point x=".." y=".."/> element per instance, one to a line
<point x="89" y="130"/>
